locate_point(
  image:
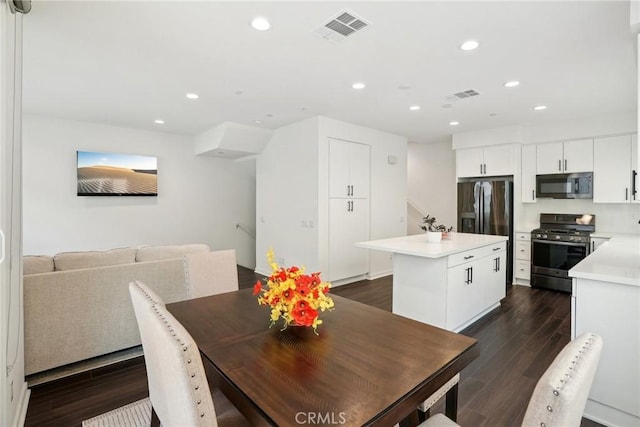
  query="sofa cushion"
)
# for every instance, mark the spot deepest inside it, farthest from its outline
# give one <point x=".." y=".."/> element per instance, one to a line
<point x="156" y="253"/>
<point x="36" y="264"/>
<point x="90" y="259"/>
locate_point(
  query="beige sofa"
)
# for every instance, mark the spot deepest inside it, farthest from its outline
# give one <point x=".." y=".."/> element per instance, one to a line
<point x="77" y="306"/>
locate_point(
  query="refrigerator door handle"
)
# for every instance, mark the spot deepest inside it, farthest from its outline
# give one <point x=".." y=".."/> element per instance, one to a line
<point x="2" y="247"/>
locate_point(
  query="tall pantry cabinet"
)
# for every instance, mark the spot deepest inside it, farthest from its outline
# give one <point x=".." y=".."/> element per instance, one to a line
<point x="348" y="208"/>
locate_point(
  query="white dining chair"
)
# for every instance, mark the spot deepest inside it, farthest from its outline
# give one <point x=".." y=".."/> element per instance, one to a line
<point x="560" y="395"/>
<point x="211" y="273"/>
<point x="178" y="387"/>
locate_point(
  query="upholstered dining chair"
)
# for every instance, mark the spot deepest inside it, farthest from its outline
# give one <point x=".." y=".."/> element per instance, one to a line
<point x="178" y="387"/>
<point x="210" y="273"/>
<point x="560" y="395"/>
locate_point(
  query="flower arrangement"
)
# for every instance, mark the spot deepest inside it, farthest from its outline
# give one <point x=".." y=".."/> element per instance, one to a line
<point x="294" y="296"/>
<point x="429" y="224"/>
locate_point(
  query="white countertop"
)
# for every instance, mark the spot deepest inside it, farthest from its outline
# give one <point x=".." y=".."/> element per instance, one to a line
<point x="615" y="261"/>
<point x="417" y="244"/>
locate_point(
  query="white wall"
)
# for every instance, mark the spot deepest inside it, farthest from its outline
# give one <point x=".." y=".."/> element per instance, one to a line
<point x="199" y="198"/>
<point x="285" y="200"/>
<point x="431" y="177"/>
<point x="300" y="195"/>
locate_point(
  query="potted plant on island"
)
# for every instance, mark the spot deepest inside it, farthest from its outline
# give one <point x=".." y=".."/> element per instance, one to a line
<point x="435" y="233"/>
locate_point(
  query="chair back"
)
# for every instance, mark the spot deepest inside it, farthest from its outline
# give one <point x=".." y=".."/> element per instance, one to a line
<point x="211" y="273"/>
<point x="561" y="393"/>
<point x="178" y="387"/>
<point x="148" y="293"/>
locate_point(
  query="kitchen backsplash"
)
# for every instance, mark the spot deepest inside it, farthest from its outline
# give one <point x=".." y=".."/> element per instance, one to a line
<point x="612" y="218"/>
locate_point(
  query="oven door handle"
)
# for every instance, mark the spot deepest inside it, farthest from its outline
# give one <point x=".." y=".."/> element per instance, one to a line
<point x="555" y="242"/>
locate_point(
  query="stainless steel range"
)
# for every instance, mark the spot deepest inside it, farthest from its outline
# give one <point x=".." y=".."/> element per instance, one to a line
<point x="562" y="241"/>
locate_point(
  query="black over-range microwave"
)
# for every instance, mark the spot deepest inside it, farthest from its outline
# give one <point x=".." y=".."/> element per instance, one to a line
<point x="565" y="185"/>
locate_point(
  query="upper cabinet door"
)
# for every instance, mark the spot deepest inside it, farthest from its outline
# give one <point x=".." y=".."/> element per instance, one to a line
<point x="549" y="158"/>
<point x="339" y="168"/>
<point x="498" y="160"/>
<point x="528" y="170"/>
<point x="348" y="169"/>
<point x="469" y="162"/>
<point x="359" y="170"/>
<point x="612" y="169"/>
<point x="635" y="173"/>
<point x="578" y="156"/>
<point x="565" y="157"/>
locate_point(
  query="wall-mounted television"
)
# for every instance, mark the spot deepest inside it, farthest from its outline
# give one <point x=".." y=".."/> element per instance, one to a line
<point x="112" y="174"/>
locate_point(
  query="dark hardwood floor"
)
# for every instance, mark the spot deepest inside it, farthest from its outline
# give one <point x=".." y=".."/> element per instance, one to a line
<point x="517" y="343"/>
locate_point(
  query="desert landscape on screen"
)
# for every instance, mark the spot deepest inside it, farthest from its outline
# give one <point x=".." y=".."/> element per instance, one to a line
<point x="116" y="180"/>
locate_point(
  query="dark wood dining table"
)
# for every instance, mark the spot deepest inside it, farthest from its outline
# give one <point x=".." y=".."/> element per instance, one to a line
<point x="365" y="367"/>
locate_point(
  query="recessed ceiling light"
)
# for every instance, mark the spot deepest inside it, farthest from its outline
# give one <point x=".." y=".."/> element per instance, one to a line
<point x="469" y="45"/>
<point x="358" y="85"/>
<point x="512" y="83"/>
<point x="258" y="122"/>
<point x="193" y="96"/>
<point x="540" y="107"/>
<point x="260" y="24"/>
<point x="158" y="121"/>
<point x="454" y="123"/>
<point x="447" y="105"/>
<point x="414" y="107"/>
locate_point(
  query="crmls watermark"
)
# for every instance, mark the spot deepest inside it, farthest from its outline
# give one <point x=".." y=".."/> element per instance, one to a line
<point x="321" y="418"/>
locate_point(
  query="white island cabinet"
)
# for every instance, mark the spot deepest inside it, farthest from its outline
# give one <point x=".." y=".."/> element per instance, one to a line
<point x="449" y="284"/>
<point x="606" y="301"/>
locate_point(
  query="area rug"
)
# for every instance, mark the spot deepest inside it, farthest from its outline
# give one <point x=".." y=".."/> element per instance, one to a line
<point x="136" y="414"/>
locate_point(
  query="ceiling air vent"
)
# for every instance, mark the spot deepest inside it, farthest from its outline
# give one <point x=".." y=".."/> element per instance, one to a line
<point x="340" y="27"/>
<point x="466" y="94"/>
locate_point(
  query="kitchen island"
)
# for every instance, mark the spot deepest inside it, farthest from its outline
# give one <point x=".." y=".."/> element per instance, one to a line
<point x="449" y="284"/>
<point x="605" y="299"/>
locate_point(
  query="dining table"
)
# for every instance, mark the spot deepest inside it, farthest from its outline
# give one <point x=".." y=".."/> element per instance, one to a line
<point x="364" y="366"/>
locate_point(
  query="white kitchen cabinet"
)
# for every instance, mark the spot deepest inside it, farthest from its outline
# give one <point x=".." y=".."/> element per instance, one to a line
<point x="596" y="242"/>
<point x="612" y="170"/>
<point x="495" y="160"/>
<point x="611" y="310"/>
<point x="348" y="169"/>
<point x="528" y="173"/>
<point x="348" y="223"/>
<point x="348" y="208"/>
<point x="564" y="157"/>
<point x="522" y="264"/>
<point x="480" y="281"/>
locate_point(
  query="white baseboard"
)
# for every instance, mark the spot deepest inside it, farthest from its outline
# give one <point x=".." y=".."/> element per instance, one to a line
<point x="379" y="274"/>
<point x="608" y="416"/>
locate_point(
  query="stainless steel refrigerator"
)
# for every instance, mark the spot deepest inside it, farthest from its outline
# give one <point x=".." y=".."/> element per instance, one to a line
<point x="486" y="207"/>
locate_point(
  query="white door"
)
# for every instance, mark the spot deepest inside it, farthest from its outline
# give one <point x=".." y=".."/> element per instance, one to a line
<point x="635" y="173"/>
<point x="359" y="170"/>
<point x="495" y="267"/>
<point x="348" y="224"/>
<point x="612" y="169"/>
<point x="549" y="158"/>
<point x="498" y="160"/>
<point x="528" y="170"/>
<point x="578" y="156"/>
<point x="469" y="162"/>
<point x="339" y="168"/>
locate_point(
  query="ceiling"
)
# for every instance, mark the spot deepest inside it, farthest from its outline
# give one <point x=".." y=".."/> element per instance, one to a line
<point x="129" y="63"/>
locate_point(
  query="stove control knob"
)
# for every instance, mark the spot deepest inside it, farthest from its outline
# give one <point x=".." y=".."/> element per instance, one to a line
<point x="544" y="236"/>
<point x="572" y="238"/>
<point x="557" y="237"/>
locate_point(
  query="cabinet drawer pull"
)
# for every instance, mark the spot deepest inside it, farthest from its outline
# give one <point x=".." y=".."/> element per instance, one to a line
<point x="559" y="165"/>
<point x="565" y="164"/>
<point x="496" y="249"/>
<point x="468" y="257"/>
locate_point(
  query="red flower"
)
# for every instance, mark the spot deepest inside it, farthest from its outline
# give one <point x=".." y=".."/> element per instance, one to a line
<point x="288" y="294"/>
<point x="257" y="288"/>
<point x="303" y="314"/>
<point x="302" y="289"/>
